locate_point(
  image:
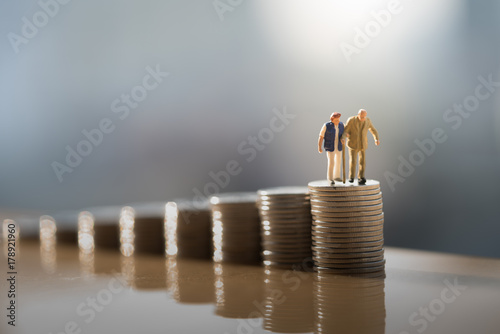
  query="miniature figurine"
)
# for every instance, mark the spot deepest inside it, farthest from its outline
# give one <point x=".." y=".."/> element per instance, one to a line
<point x="329" y="136"/>
<point x="356" y="130"/>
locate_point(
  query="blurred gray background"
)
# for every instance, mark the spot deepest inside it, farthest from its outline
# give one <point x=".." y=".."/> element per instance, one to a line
<point x="226" y="78"/>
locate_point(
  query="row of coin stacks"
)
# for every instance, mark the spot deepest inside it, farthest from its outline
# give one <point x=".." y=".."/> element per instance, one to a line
<point x="339" y="227"/>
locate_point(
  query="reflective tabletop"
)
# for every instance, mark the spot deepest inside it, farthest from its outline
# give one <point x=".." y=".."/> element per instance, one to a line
<point x="61" y="290"/>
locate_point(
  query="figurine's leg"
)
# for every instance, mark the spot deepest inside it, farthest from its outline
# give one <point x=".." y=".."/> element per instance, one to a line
<point x="361" y="164"/>
<point x="337" y="168"/>
<point x="352" y="162"/>
<point x="329" y="173"/>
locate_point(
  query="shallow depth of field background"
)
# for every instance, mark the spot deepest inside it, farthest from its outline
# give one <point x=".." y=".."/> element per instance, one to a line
<point x="226" y="77"/>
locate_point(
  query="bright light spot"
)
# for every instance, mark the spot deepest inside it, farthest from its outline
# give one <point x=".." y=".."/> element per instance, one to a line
<point x="48" y="253"/>
<point x="171" y="215"/>
<point x="86" y="231"/>
<point x="127" y="236"/>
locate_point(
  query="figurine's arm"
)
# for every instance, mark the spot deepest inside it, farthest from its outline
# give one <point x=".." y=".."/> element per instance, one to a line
<point x="347" y="129"/>
<point x="321" y="138"/>
<point x="374" y="133"/>
<point x="320" y="143"/>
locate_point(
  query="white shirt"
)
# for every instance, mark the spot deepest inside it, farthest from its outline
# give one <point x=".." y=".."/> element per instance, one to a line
<point x="322" y="134"/>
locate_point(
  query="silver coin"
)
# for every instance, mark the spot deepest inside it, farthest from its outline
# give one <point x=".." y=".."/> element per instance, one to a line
<point x="287" y="228"/>
<point x="345" y="204"/>
<point x="368" y="254"/>
<point x="285" y="204"/>
<point x="286" y="254"/>
<point x="287" y="239"/>
<point x="349" y="271"/>
<point x="283" y="248"/>
<point x="280" y="265"/>
<point x="321" y="214"/>
<point x="339" y="220"/>
<point x="344" y="193"/>
<point x="320" y="263"/>
<point x="328" y="260"/>
<point x="348" y="208"/>
<point x="316" y="198"/>
<point x="347" y="245"/>
<point x="303" y="216"/>
<point x="370" y="229"/>
<point x="325" y="185"/>
<point x="329" y="250"/>
<point x="279" y="191"/>
<point x="285" y="221"/>
<point x="286" y="211"/>
<point x="348" y="235"/>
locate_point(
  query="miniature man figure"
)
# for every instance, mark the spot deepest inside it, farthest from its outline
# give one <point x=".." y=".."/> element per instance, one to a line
<point x="356" y="130"/>
<point x="329" y="136"/>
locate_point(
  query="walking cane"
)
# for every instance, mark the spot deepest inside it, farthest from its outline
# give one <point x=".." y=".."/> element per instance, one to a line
<point x="343" y="163"/>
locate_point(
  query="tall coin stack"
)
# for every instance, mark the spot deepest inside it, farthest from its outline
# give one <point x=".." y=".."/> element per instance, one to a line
<point x="348" y="223"/>
<point x="236" y="228"/>
<point x="286" y="221"/>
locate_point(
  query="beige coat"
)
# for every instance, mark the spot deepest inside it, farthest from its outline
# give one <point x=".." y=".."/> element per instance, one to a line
<point x="357" y="131"/>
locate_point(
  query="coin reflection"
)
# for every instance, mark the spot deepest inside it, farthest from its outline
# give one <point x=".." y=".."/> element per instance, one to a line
<point x="239" y="295"/>
<point x="349" y="304"/>
<point x="128" y="269"/>
<point x="288" y="301"/>
<point x="190" y="281"/>
<point x="149" y="273"/>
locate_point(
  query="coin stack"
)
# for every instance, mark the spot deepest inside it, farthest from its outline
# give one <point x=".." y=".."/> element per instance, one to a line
<point x="286" y="221"/>
<point x="347" y="230"/>
<point x="149" y="221"/>
<point x="190" y="281"/>
<point x="67" y="227"/>
<point x="106" y="229"/>
<point x="193" y="235"/>
<point x="236" y="228"/>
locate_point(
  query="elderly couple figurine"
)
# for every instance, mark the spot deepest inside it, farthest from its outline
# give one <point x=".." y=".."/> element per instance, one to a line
<point x="332" y="136"/>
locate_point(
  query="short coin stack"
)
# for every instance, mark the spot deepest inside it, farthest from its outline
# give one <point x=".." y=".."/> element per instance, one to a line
<point x="286" y="221"/>
<point x="236" y="228"/>
<point x="347" y="230"/>
<point x="149" y="221"/>
<point x="193" y="230"/>
<point x="106" y="226"/>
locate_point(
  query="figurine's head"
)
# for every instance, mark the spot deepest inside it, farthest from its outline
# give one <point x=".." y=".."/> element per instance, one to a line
<point x="362" y="115"/>
<point x="335" y="118"/>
